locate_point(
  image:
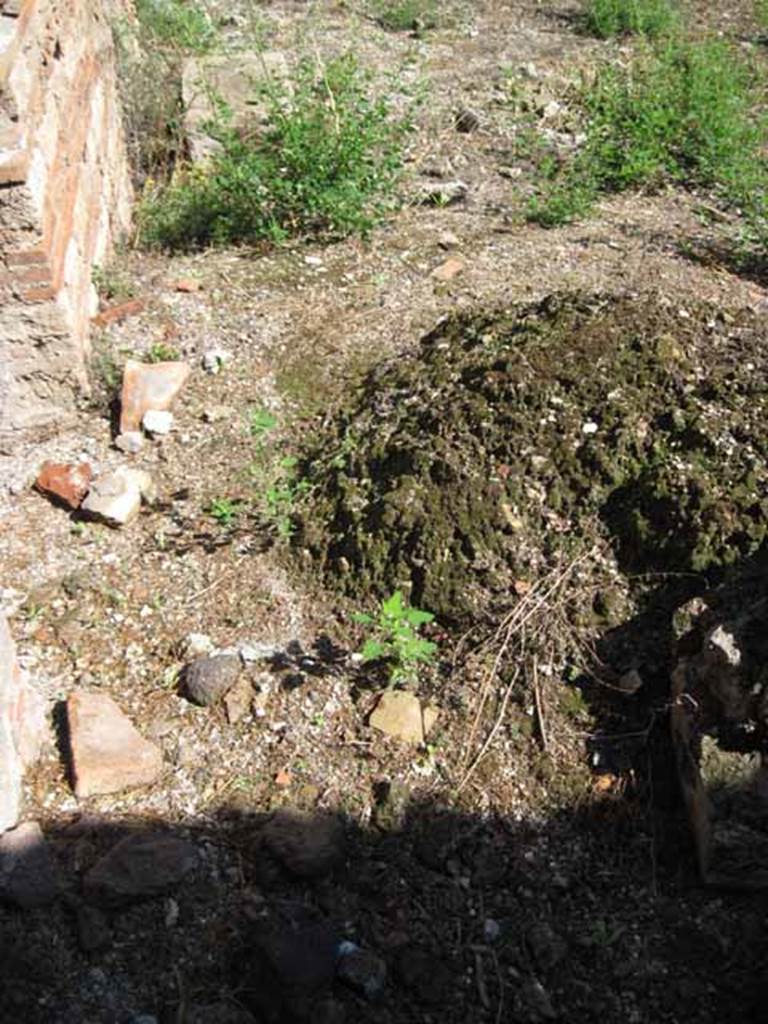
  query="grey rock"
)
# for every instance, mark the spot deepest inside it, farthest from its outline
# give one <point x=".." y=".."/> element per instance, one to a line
<point x="131" y="442"/>
<point x="364" y="972"/>
<point x="630" y="682"/>
<point x="208" y="678"/>
<point x="443" y="193"/>
<point x="157" y="421"/>
<point x="306" y="845"/>
<point x="467" y="121"/>
<point x="27" y="872"/>
<point x="140" y="867"/>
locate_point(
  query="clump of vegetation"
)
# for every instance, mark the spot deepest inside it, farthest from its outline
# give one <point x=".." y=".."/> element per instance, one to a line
<point x="606" y="18"/>
<point x="181" y="24"/>
<point x="159" y="352"/>
<point x="150" y="51"/>
<point x="683" y="112"/>
<point x="516" y="438"/>
<point x="275" y="476"/>
<point x="395" y="638"/>
<point x="224" y="510"/>
<point x="406" y="15"/>
<point x="326" y="164"/>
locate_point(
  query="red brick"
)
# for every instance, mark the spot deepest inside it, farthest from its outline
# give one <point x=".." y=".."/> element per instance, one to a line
<point x="115" y="314"/>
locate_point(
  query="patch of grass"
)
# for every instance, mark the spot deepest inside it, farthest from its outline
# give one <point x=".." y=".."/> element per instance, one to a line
<point x="607" y="18"/>
<point x="406" y="15"/>
<point x="112" y="283"/>
<point x="683" y="112"/>
<point x="326" y="165"/>
<point x="181" y="24"/>
<point x="161" y="353"/>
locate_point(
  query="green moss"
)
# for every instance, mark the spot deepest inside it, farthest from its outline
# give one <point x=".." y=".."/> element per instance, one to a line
<point x="512" y="436"/>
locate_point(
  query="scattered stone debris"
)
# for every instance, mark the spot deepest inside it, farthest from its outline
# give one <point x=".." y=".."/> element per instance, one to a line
<point x="27" y="872"/>
<point x="217" y="413"/>
<point x="215" y="359"/>
<point x="363" y="971"/>
<point x="208" y="678"/>
<point x="116" y="497"/>
<point x="196" y="644"/>
<point x="186" y="284"/>
<point x="448" y="240"/>
<point x="131" y="442"/>
<point x="401" y="715"/>
<point x="442" y="193"/>
<point x="306" y="845"/>
<point x="149" y="386"/>
<point x="108" y="752"/>
<point x="157" y="421"/>
<point x="140" y="867"/>
<point x="65" y="482"/>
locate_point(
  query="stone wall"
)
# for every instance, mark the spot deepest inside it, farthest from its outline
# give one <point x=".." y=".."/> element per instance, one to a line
<point x="64" y="198"/>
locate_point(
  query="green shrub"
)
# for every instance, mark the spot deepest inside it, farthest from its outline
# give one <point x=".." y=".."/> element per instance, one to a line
<point x="683" y="112"/>
<point x="326" y="164"/>
<point x="606" y="18"/>
<point x="405" y="15"/>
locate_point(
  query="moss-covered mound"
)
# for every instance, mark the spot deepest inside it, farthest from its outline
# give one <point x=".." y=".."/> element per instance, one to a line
<point x="510" y="435"/>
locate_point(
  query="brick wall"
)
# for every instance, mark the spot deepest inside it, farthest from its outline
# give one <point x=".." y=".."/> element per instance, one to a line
<point x="64" y="198"/>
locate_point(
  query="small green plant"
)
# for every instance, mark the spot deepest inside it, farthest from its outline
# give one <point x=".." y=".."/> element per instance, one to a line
<point x="606" y="18"/>
<point x="161" y="353"/>
<point x="262" y="422"/>
<point x="223" y="510"/>
<point x="281" y="495"/>
<point x="395" y="638"/>
<point x="326" y="165"/>
<point x="406" y="15"/>
<point x="685" y="111"/>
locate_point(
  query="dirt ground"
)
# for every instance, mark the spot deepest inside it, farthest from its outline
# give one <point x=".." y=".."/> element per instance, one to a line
<point x="590" y="882"/>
